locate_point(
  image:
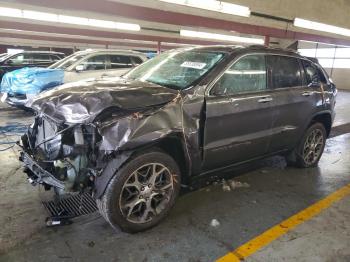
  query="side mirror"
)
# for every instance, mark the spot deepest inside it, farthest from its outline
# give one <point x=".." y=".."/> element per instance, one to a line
<point x="79" y="68"/>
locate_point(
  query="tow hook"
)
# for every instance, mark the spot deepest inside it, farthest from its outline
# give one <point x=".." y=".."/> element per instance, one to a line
<point x="62" y="219"/>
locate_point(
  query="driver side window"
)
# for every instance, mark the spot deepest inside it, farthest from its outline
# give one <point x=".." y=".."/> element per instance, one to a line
<point x="20" y="59"/>
<point x="248" y="74"/>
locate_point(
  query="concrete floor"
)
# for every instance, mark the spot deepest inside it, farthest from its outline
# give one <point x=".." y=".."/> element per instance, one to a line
<point x="274" y="194"/>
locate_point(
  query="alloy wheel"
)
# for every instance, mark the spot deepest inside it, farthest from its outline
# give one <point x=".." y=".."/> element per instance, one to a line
<point x="313" y="146"/>
<point x="146" y="193"/>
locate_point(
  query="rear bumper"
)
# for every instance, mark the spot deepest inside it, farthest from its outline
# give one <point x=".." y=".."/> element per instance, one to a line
<point x="37" y="174"/>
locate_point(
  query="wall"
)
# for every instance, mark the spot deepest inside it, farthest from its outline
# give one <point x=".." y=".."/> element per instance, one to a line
<point x="341" y="77"/>
<point x="335" y="60"/>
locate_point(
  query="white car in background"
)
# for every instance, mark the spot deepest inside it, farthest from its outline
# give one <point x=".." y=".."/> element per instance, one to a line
<point x="87" y="64"/>
<point x="95" y="63"/>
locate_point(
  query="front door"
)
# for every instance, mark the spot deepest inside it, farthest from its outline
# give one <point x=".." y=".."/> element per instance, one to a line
<point x="238" y="114"/>
<point x="92" y="67"/>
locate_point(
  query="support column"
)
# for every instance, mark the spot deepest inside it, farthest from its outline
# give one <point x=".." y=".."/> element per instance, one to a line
<point x="267" y="40"/>
<point x="159" y="47"/>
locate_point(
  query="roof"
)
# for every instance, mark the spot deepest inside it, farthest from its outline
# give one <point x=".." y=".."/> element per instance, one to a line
<point x="245" y="49"/>
<point x="89" y="51"/>
<point x="42" y="52"/>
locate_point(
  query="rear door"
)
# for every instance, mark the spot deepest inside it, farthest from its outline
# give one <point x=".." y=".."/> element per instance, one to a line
<point x="119" y="64"/>
<point x="238" y="114"/>
<point x="41" y="60"/>
<point x="294" y="100"/>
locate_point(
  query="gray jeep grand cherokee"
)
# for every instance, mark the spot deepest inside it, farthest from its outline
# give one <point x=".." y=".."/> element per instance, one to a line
<point x="132" y="141"/>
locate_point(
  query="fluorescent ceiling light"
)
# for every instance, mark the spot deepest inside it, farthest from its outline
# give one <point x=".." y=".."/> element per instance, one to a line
<point x="10" y="12"/>
<point x="127" y="26"/>
<point x="299" y="22"/>
<point x="213" y="5"/>
<point x="101" y="23"/>
<point x="58" y="18"/>
<point x="230" y="38"/>
<point x="40" y="16"/>
<point x="73" y="20"/>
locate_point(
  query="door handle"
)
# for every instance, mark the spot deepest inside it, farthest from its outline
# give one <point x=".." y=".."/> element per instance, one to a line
<point x="265" y="99"/>
<point x="307" y="93"/>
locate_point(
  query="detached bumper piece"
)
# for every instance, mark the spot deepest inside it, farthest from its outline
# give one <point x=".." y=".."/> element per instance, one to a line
<point x="37" y="174"/>
<point x="61" y="212"/>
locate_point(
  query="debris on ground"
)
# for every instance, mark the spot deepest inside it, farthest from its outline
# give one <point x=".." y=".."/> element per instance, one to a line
<point x="225" y="186"/>
<point x="214" y="223"/>
<point x="236" y="184"/>
<point x="232" y="185"/>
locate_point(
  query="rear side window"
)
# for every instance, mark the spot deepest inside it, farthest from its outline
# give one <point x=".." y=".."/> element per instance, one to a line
<point x="41" y="58"/>
<point x="313" y="74"/>
<point x="120" y="61"/>
<point x="321" y="76"/>
<point x="97" y="62"/>
<point x="310" y="72"/>
<point x="137" y="60"/>
<point x="247" y="75"/>
<point x="55" y="58"/>
<point x="284" y="71"/>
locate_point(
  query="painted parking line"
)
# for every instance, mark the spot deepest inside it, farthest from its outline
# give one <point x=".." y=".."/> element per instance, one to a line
<point x="277" y="231"/>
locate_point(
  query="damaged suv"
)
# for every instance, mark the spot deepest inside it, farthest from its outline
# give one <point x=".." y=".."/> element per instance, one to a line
<point x="133" y="141"/>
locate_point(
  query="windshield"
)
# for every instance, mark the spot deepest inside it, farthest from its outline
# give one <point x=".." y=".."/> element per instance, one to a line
<point x="177" y="69"/>
<point x="66" y="62"/>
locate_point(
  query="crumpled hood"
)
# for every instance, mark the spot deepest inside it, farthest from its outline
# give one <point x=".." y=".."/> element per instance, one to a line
<point x="81" y="102"/>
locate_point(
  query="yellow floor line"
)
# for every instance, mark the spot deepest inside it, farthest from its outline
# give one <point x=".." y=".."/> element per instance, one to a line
<point x="277" y="231"/>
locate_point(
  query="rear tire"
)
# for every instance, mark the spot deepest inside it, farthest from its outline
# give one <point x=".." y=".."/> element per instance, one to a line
<point x="310" y="149"/>
<point x="141" y="193"/>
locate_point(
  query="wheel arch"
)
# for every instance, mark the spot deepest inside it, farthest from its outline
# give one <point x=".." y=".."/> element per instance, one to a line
<point x="173" y="145"/>
<point x="324" y="118"/>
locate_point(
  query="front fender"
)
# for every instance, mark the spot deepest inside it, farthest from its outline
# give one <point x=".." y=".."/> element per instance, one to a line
<point x="140" y="128"/>
<point x="121" y="137"/>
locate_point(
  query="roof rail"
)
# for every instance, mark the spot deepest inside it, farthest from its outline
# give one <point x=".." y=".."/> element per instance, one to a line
<point x="273" y="48"/>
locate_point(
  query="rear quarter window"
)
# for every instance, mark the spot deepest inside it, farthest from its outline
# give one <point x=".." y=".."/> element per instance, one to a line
<point x="137" y="60"/>
<point x="313" y="73"/>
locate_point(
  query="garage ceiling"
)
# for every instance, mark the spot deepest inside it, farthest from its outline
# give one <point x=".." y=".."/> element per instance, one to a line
<point x="162" y="21"/>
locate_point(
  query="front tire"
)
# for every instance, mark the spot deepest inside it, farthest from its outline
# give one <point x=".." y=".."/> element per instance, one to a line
<point x="141" y="193"/>
<point x="311" y="146"/>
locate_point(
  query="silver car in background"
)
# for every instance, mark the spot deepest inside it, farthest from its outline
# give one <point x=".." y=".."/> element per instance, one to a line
<point x="95" y="63"/>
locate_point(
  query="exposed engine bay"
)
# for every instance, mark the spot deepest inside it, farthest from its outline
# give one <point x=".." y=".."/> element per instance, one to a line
<point x="63" y="156"/>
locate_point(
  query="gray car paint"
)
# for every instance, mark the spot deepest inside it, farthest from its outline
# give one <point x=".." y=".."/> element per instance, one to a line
<point x="214" y="132"/>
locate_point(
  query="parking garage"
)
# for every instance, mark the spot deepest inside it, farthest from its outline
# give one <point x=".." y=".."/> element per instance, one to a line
<point x="174" y="130"/>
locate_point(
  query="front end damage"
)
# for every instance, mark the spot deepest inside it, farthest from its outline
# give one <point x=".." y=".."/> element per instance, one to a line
<point x="83" y="157"/>
<point x="60" y="156"/>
